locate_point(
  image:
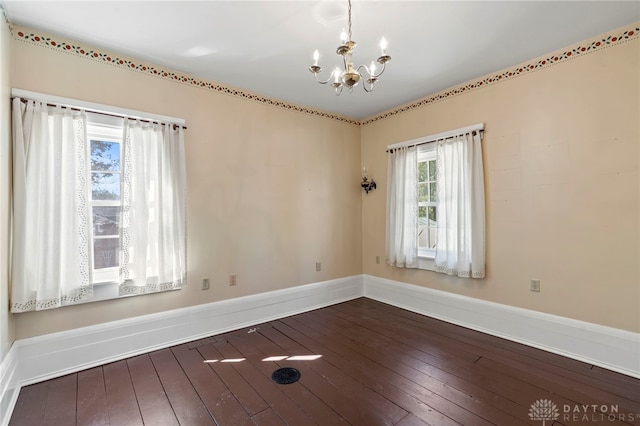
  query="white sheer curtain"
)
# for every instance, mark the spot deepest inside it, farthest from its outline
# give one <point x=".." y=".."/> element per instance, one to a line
<point x="153" y="202"/>
<point x="51" y="236"/>
<point x="401" y="243"/>
<point x="461" y="215"/>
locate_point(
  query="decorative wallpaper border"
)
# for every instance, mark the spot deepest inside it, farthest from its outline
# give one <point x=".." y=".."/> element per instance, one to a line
<point x="156" y="71"/>
<point x="4" y="15"/>
<point x="598" y="43"/>
<point x="603" y="41"/>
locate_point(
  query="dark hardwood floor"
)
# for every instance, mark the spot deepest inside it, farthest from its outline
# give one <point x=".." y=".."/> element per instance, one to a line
<point x="377" y="365"/>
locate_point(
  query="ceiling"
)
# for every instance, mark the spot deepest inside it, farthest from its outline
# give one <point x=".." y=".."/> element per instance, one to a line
<point x="266" y="47"/>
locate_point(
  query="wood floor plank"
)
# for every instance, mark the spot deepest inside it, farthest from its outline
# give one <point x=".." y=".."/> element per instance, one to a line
<point x="574" y="388"/>
<point x="411" y="420"/>
<point x="185" y="401"/>
<point x="418" y="400"/>
<point x="216" y="396"/>
<point x="154" y="404"/>
<point x="388" y="411"/>
<point x="298" y="393"/>
<point x="122" y="405"/>
<point x="494" y="388"/>
<point x="30" y="406"/>
<point x="572" y="380"/>
<point x="485" y="342"/>
<point x="268" y="417"/>
<point x="61" y="401"/>
<point x="391" y="353"/>
<point x="532" y="358"/>
<point x="244" y="392"/>
<point x="92" y="398"/>
<point x="278" y="401"/>
<point x="570" y="398"/>
<point x="342" y="400"/>
<point x="427" y="389"/>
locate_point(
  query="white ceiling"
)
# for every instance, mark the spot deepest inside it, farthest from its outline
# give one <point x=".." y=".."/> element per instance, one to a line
<point x="266" y="46"/>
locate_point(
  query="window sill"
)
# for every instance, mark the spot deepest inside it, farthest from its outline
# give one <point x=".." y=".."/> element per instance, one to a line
<point x="109" y="290"/>
<point x="105" y="290"/>
<point x="426" y="263"/>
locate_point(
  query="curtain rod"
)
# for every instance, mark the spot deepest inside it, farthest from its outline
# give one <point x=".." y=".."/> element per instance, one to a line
<point x="95" y="108"/>
<point x="438" y="136"/>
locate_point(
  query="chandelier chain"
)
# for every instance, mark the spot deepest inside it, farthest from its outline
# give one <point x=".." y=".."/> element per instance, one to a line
<point x="349" y="10"/>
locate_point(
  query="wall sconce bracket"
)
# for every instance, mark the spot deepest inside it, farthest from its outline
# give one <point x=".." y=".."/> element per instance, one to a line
<point x="367" y="186"/>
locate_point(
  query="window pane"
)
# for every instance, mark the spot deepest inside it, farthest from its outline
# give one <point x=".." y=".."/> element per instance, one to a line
<point x="432" y="170"/>
<point x="106" y="220"/>
<point x="106" y="253"/>
<point x="105" y="186"/>
<point x="423" y="192"/>
<point x="432" y="190"/>
<point x="432" y="216"/>
<point x="423" y="237"/>
<point x="432" y="238"/>
<point x="105" y="156"/>
<point x="422" y="171"/>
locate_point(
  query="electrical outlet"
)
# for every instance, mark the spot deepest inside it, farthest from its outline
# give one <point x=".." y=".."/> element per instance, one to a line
<point x="318" y="266"/>
<point x="205" y="283"/>
<point x="378" y="260"/>
<point x="535" y="286"/>
<point x="232" y="279"/>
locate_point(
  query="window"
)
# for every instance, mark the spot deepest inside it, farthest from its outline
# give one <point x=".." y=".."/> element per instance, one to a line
<point x="99" y="199"/>
<point x="427" y="208"/>
<point x="435" y="204"/>
<point x="105" y="142"/>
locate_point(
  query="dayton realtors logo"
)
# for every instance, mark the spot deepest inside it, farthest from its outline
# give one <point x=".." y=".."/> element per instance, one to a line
<point x="546" y="410"/>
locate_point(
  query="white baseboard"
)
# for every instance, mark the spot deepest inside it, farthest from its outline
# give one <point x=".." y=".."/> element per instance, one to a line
<point x="607" y="347"/>
<point x="53" y="355"/>
<point x="9" y="385"/>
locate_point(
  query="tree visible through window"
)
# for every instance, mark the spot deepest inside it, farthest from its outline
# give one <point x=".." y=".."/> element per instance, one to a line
<point x="105" y="200"/>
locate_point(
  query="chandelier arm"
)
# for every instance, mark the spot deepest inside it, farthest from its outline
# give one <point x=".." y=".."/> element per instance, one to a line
<point x="325" y="81"/>
<point x="364" y="86"/>
<point x="384" y="66"/>
<point x="366" y="68"/>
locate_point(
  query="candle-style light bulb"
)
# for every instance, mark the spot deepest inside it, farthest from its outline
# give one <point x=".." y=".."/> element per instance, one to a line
<point x="343" y="36"/>
<point x="364" y="172"/>
<point x="316" y="56"/>
<point x="383" y="46"/>
<point x="336" y="75"/>
<point x="372" y="68"/>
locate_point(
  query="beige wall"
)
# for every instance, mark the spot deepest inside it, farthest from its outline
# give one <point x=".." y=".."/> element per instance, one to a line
<point x="6" y="319"/>
<point x="562" y="188"/>
<point x="270" y="191"/>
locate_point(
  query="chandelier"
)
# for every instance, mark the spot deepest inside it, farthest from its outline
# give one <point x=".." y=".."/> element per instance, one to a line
<point x="349" y="76"/>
